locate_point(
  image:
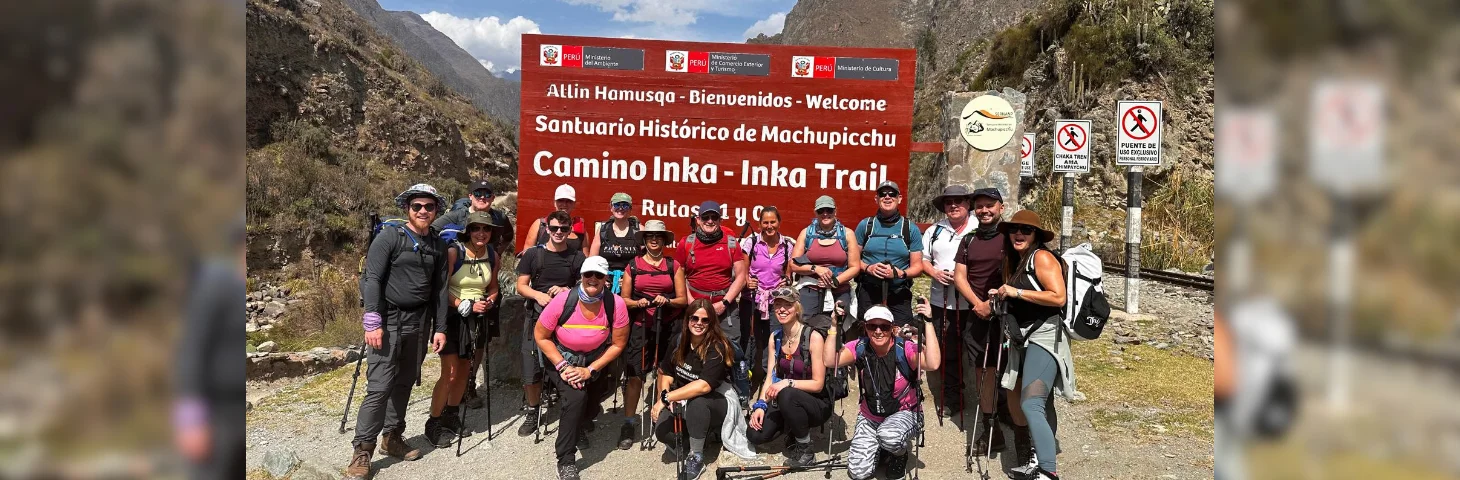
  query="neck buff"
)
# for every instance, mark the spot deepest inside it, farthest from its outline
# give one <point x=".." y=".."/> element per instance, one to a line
<point x="888" y="219"/>
<point x="835" y="227"/>
<point x="708" y="238"/>
<point x="583" y="296"/>
<point x="985" y="233"/>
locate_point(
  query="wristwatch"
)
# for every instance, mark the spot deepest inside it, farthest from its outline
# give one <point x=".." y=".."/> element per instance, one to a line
<point x="725" y="301"/>
<point x="791" y="383"/>
<point x="592" y="373"/>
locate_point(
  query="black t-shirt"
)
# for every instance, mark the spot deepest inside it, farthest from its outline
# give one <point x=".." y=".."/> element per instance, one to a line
<point x="619" y="251"/>
<point x="551" y="269"/>
<point x="694" y="368"/>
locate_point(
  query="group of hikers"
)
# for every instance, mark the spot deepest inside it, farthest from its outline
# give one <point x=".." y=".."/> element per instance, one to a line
<point x="743" y="340"/>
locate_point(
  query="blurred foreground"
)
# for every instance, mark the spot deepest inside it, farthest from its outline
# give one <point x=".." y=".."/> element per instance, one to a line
<point x="1339" y="221"/>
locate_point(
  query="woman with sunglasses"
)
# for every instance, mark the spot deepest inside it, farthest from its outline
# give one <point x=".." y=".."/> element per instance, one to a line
<point x="654" y="290"/>
<point x="563" y="199"/>
<point x="580" y="333"/>
<point x="1034" y="289"/>
<point x="617" y="240"/>
<point x="473" y="289"/>
<point x="689" y="378"/>
<point x="827" y="258"/>
<point x="888" y="365"/>
<point x="792" y="399"/>
<point x="769" y="257"/>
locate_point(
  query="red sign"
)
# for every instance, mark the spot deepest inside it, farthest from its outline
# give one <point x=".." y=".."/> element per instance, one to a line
<point x="1072" y="138"/>
<point x="749" y="134"/>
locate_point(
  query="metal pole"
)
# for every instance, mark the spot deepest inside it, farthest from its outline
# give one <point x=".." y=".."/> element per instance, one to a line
<point x="1067" y="215"/>
<point x="1340" y="275"/>
<point x="1133" y="241"/>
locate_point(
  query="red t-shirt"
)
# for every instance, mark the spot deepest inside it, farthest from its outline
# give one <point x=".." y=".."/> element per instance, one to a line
<point x="713" y="268"/>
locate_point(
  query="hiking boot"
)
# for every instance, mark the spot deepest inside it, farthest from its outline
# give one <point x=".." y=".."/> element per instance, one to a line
<point x="391" y="443"/>
<point x="693" y="466"/>
<point x="997" y="440"/>
<point x="451" y="421"/>
<point x="626" y="436"/>
<point x="436" y="434"/>
<point x="568" y="472"/>
<point x="1026" y="472"/>
<point x="896" y="466"/>
<point x="359" y="466"/>
<point x="1023" y="447"/>
<point x="799" y="455"/>
<point x="529" y="422"/>
<point x="470" y="399"/>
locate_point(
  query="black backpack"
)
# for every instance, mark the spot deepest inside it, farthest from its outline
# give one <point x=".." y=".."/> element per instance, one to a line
<point x="883" y="401"/>
<point x="570" y="306"/>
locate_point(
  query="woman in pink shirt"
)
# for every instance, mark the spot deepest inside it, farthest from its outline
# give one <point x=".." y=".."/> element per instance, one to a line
<point x="581" y="331"/>
<point x="891" y="410"/>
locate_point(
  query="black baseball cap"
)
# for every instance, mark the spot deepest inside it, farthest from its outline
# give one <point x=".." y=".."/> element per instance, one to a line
<point x="482" y="185"/>
<point x="988" y="192"/>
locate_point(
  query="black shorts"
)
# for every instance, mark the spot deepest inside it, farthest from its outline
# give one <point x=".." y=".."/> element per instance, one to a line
<point x="980" y="335"/>
<point x="646" y="347"/>
<point x="455" y="331"/>
<point x="531" y="367"/>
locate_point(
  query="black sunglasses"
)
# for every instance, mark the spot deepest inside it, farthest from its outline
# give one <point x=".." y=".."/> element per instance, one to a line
<point x="429" y="207"/>
<point x="620" y="206"/>
<point x="593" y="275"/>
<point x="698" y="319"/>
<point x="559" y="228"/>
<point x="879" y="327"/>
<point x="714" y="217"/>
<point x="887" y="194"/>
<point x="1022" y="229"/>
<point x="825" y="211"/>
<point x="481" y="194"/>
<point x="656" y="236"/>
<point x="478" y="228"/>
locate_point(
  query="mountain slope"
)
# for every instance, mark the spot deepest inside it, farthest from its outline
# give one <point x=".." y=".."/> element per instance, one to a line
<point x="440" y="55"/>
<point x="338" y="122"/>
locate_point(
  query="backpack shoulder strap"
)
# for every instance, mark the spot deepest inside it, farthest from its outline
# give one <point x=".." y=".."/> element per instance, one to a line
<point x="868" y="222"/>
<point x="900" y="352"/>
<point x="805" y="348"/>
<point x="906" y="233"/>
<point x="569" y="306"/>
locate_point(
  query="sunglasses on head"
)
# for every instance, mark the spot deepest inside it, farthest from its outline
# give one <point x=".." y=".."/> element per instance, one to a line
<point x="826" y="211"/>
<point x="879" y="327"/>
<point x="887" y="194"/>
<point x="620" y="206"/>
<point x="593" y="275"/>
<point x="1022" y="229"/>
<point x="713" y="217"/>
<point x="478" y="228"/>
<point x="698" y="319"/>
<point x="429" y="207"/>
<point x="559" y="228"/>
<point x="481" y="194"/>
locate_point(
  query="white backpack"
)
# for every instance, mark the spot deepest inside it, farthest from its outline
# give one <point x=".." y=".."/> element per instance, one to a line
<point x="1086" y="308"/>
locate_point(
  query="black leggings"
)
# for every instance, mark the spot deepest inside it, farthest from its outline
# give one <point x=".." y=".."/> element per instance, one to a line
<point x="700" y="415"/>
<point x="794" y="411"/>
<point x="579" y="407"/>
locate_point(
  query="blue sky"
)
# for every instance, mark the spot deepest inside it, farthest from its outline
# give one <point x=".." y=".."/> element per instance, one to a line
<point x="490" y="30"/>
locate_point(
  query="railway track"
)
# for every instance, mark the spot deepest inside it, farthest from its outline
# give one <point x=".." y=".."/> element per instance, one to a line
<point x="1190" y="281"/>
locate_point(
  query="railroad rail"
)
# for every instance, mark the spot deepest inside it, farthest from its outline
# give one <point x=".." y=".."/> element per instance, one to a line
<point x="1191" y="281"/>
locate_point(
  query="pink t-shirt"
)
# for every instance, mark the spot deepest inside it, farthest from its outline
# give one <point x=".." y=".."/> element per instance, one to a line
<point x="580" y="334"/>
<point x="909" y="398"/>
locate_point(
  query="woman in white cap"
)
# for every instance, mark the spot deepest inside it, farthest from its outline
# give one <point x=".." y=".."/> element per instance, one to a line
<point x="891" y="407"/>
<point x="617" y="240"/>
<point x="654" y="290"/>
<point x="564" y="199"/>
<point x="580" y="333"/>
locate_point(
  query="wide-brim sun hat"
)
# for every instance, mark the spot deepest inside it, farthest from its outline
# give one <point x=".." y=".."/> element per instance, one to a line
<point x="951" y="191"/>
<point x="420" y="190"/>
<point x="482" y="218"/>
<point x="654" y="226"/>
<point x="1028" y="217"/>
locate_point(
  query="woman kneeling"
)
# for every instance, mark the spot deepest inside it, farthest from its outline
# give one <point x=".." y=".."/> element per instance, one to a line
<point x="792" y="399"/>
<point x="688" y="380"/>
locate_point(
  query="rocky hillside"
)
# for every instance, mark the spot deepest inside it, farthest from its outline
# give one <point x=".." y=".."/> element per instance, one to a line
<point x="444" y="59"/>
<point x="339" y="120"/>
<point x="1124" y="49"/>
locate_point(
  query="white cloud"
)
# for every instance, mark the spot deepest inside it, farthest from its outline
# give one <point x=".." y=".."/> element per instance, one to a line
<point x="489" y="39"/>
<point x="511" y="69"/>
<point x="770" y="26"/>
<point x="676" y="13"/>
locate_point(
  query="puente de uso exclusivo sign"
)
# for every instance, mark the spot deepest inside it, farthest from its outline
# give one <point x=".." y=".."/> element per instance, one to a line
<point x="675" y="123"/>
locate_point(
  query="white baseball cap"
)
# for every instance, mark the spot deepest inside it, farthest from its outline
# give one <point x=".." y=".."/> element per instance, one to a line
<point x="595" y="264"/>
<point x="565" y="192"/>
<point x="877" y="312"/>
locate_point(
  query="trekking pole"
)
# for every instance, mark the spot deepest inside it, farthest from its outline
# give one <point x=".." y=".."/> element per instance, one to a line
<point x="679" y="433"/>
<point x="353" y="382"/>
<point x="836" y="372"/>
<point x="723" y="473"/>
<point x="1000" y="308"/>
<point x="487" y="374"/>
<point x="970" y="458"/>
<point x="944" y="371"/>
<point x="651" y="440"/>
<point x="374" y="220"/>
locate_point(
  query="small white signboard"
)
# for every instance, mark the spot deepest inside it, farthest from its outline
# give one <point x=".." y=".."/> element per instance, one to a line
<point x="1139" y="138"/>
<point x="1026" y="156"/>
<point x="1071" y="146"/>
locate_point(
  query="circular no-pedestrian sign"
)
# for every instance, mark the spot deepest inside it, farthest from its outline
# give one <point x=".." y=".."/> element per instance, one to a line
<point x="1140" y="122"/>
<point x="1072" y="138"/>
<point x="1024" y="147"/>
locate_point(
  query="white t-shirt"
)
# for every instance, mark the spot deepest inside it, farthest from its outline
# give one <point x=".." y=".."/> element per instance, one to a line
<point x="940" y="245"/>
